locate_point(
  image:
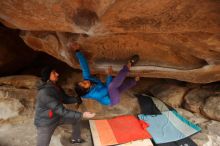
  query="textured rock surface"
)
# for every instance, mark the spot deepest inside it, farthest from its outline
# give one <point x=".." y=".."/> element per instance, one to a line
<point x="212" y="107"/>
<point x="25" y="133"/>
<point x="209" y="135"/>
<point x="195" y="99"/>
<point x="175" y="38"/>
<point x="23" y="129"/>
<point x="170" y="94"/>
<point x="21" y="81"/>
<point x="10" y="108"/>
<point x="25" y="96"/>
<point x="18" y="134"/>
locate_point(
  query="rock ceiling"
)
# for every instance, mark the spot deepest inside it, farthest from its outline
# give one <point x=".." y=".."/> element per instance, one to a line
<point x="175" y="39"/>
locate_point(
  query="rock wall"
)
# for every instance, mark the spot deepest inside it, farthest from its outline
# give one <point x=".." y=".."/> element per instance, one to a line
<point x="175" y="39"/>
<point x="17" y="101"/>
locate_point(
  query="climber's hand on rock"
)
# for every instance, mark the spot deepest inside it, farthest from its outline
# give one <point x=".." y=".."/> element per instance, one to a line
<point x="137" y="78"/>
<point x="110" y="70"/>
<point x="74" y="46"/>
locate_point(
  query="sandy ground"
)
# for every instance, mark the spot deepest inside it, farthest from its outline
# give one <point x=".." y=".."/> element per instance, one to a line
<point x="24" y="134"/>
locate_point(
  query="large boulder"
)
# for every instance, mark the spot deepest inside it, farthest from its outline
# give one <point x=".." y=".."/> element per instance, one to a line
<point x="24" y="96"/>
<point x="102" y="16"/>
<point x="195" y="99"/>
<point x="175" y="39"/>
<point x="10" y="108"/>
<point x="170" y="94"/>
<point x="212" y="108"/>
<point x="21" y="88"/>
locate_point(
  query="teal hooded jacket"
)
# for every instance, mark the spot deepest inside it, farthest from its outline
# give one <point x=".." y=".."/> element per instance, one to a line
<point x="99" y="91"/>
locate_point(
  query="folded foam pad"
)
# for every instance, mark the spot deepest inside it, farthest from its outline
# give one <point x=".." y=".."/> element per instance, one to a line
<point x="147" y="105"/>
<point x="144" y="142"/>
<point x="150" y="105"/>
<point x="119" y="130"/>
<point x="169" y="127"/>
<point x="183" y="142"/>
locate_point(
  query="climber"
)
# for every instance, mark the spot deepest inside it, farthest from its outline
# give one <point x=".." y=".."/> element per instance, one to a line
<point x="50" y="112"/>
<point x="106" y="93"/>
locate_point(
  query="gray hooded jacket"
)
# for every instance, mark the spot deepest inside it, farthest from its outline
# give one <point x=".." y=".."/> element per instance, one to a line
<point x="49" y="105"/>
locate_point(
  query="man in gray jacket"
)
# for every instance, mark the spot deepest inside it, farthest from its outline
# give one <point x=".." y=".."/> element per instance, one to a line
<point x="50" y="112"/>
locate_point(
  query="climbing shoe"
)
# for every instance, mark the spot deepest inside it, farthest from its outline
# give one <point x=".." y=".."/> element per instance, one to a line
<point x="79" y="140"/>
<point x="134" y="59"/>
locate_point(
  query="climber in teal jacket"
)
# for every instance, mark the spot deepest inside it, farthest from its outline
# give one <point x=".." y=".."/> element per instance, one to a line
<point x="97" y="90"/>
<point x="106" y="93"/>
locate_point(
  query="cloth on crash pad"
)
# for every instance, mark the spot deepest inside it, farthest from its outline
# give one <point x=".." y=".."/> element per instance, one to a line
<point x="169" y="127"/>
<point x="151" y="105"/>
<point x="183" y="142"/>
<point x="143" y="142"/>
<point x="119" y="130"/>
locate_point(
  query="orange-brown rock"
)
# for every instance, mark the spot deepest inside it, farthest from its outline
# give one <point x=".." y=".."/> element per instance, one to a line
<point x="175" y="38"/>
